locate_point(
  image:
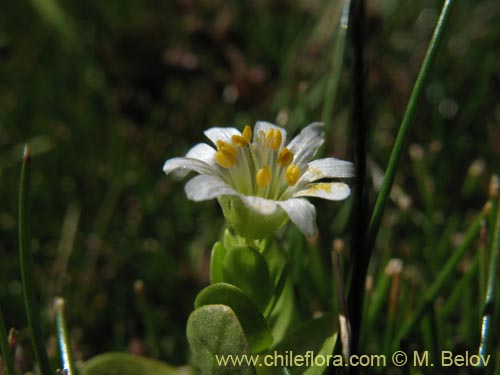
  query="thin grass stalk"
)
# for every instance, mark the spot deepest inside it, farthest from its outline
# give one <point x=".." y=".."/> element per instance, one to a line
<point x="63" y="337"/>
<point x="488" y="309"/>
<point x="7" y="357"/>
<point x="406" y="124"/>
<point x="336" y="66"/>
<point x="441" y="279"/>
<point x="26" y="260"/>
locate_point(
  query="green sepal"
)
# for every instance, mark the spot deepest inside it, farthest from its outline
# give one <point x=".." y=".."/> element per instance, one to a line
<point x="253" y="323"/>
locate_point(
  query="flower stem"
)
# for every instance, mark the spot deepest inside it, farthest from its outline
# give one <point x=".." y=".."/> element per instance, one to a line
<point x="26" y="259"/>
<point x="63" y="337"/>
<point x="7" y="357"/>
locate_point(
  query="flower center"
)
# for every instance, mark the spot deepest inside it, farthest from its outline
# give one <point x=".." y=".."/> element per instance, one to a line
<point x="261" y="168"/>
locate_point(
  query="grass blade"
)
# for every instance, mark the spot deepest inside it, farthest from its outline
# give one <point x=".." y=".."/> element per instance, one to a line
<point x="488" y="309"/>
<point x="63" y="337"/>
<point x="26" y="258"/>
<point x="336" y="67"/>
<point x="441" y="279"/>
<point x="406" y="123"/>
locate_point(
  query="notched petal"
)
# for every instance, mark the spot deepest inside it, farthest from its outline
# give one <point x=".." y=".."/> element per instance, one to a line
<point x="221" y="134"/>
<point x="307" y="142"/>
<point x="334" y="191"/>
<point x="204" y="187"/>
<point x="328" y="168"/>
<point x="181" y="166"/>
<point x="202" y="152"/>
<point x="260" y="205"/>
<point x="302" y="213"/>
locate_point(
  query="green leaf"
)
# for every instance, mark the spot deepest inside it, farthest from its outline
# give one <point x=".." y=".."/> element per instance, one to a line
<point x="228" y="239"/>
<point x="253" y="323"/>
<point x="247" y="269"/>
<point x="127" y="364"/>
<point x="219" y="252"/>
<point x="317" y="335"/>
<point x="285" y="314"/>
<point x="276" y="260"/>
<point x="214" y="330"/>
<point x="325" y="351"/>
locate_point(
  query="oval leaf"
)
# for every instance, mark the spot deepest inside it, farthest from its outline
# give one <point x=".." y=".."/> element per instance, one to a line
<point x="214" y="334"/>
<point x="127" y="364"/>
<point x="253" y="323"/>
<point x="247" y="269"/>
<point x="218" y="254"/>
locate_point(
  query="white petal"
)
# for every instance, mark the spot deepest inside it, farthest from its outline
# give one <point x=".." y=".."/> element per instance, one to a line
<point x="334" y="191"/>
<point x="306" y="143"/>
<point x="202" y="152"/>
<point x="302" y="213"/>
<point x="205" y="187"/>
<point x="260" y="205"/>
<point x="222" y="134"/>
<point x="327" y="168"/>
<point x="182" y="166"/>
<point x="265" y="126"/>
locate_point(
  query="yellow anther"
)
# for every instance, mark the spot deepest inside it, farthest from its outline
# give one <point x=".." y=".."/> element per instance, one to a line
<point x="273" y="138"/>
<point x="292" y="174"/>
<point x="264" y="176"/>
<point x="225" y="158"/>
<point x="277" y="139"/>
<point x="239" y="141"/>
<point x="221" y="145"/>
<point x="285" y="157"/>
<point x="247" y="133"/>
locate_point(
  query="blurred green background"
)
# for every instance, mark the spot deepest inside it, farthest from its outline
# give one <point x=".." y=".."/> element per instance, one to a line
<point x="105" y="91"/>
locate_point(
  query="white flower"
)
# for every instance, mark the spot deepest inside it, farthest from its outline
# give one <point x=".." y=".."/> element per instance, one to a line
<point x="260" y="182"/>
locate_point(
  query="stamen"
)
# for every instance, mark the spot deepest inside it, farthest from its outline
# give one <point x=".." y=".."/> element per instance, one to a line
<point x="226" y="154"/>
<point x="221" y="145"/>
<point x="263" y="177"/>
<point x="285" y="157"/>
<point x="273" y="138"/>
<point x="292" y="174"/>
<point x="247" y="133"/>
<point x="239" y="141"/>
<point x="277" y="139"/>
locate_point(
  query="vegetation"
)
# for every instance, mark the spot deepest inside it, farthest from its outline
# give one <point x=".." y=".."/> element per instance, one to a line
<point x="104" y="92"/>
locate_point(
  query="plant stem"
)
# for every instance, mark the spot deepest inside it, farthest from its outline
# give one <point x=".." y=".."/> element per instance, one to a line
<point x="489" y="302"/>
<point x="360" y="206"/>
<point x="363" y="254"/>
<point x="26" y="259"/>
<point x="63" y="337"/>
<point x="7" y="357"/>
<point x="441" y="279"/>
